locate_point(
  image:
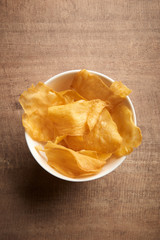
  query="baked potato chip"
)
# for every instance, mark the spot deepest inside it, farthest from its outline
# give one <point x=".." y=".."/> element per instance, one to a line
<point x="71" y="163"/>
<point x="60" y="140"/>
<point x="129" y="132"/>
<point x="38" y="98"/>
<point x="70" y="96"/>
<point x="97" y="155"/>
<point x="35" y="102"/>
<point x="119" y="89"/>
<point x="38" y="127"/>
<point x="103" y="138"/>
<point x="119" y="93"/>
<point x="76" y="118"/>
<point x="91" y="86"/>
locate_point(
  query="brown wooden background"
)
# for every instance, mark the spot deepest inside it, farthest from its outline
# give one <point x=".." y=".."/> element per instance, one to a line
<point x="40" y="38"/>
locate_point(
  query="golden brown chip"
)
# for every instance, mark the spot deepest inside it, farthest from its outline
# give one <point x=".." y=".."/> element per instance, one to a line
<point x="38" y="127"/>
<point x="71" y="163"/>
<point x="119" y="93"/>
<point x="70" y="96"/>
<point x="96" y="107"/>
<point x="91" y="86"/>
<point x="38" y="98"/>
<point x="60" y="140"/>
<point x="130" y="133"/>
<point x="76" y="118"/>
<point x="97" y="155"/>
<point x="75" y="142"/>
<point x="103" y="138"/>
<point x="35" y="102"/>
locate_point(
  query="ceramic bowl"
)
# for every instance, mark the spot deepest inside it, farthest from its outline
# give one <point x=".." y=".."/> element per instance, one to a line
<point x="61" y="82"/>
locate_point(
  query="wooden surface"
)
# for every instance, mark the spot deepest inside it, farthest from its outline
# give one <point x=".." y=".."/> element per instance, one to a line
<point x="39" y="39"/>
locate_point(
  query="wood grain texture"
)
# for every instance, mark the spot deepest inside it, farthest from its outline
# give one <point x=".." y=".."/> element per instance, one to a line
<point x="39" y="39"/>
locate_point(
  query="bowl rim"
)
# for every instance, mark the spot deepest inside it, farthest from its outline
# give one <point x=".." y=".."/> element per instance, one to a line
<point x="92" y="177"/>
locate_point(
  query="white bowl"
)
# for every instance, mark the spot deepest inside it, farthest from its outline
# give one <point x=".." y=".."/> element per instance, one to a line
<point x="61" y="82"/>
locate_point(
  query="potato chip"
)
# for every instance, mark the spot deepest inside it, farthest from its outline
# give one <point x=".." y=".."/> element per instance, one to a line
<point x="35" y="102"/>
<point x="76" y="118"/>
<point x="60" y="140"/>
<point x="119" y="89"/>
<point x="95" y="154"/>
<point x="96" y="107"/>
<point x="103" y="138"/>
<point x="120" y="92"/>
<point x="70" y="96"/>
<point x="38" y="127"/>
<point x="75" y="142"/>
<point x="38" y="98"/>
<point x="71" y="163"/>
<point x="91" y="86"/>
<point x="129" y="132"/>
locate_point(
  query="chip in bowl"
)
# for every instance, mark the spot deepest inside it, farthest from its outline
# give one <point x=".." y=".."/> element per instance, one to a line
<point x="82" y="127"/>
